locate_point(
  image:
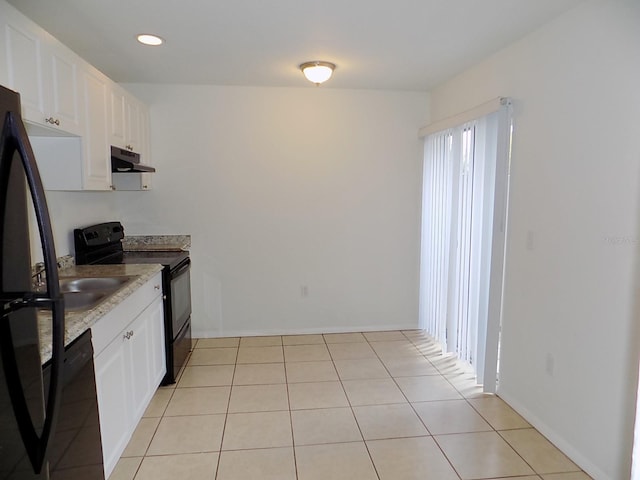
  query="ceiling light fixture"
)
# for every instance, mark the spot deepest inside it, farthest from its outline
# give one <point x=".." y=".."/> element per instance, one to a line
<point x="148" y="39"/>
<point x="317" y="72"/>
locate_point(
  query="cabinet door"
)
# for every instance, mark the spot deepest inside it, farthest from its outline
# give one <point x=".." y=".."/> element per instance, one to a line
<point x="117" y="116"/>
<point x="112" y="380"/>
<point x="137" y="347"/>
<point x="46" y="75"/>
<point x="97" y="157"/>
<point x="132" y="111"/>
<point x="23" y="51"/>
<point x="63" y="109"/>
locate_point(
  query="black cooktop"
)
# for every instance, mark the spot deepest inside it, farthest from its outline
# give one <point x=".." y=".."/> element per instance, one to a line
<point x="169" y="259"/>
<point x="101" y="244"/>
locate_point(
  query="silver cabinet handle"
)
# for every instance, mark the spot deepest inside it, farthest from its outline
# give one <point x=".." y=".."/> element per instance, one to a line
<point x="127" y="335"/>
<point x="156" y="287"/>
<point x="52" y="121"/>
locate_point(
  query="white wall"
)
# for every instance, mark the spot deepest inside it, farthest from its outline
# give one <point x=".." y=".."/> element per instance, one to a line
<point x="570" y="336"/>
<point x="71" y="210"/>
<point x="282" y="188"/>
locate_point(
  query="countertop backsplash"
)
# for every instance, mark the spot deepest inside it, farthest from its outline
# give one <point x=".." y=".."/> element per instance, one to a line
<point x="64" y="262"/>
<point x="156" y="242"/>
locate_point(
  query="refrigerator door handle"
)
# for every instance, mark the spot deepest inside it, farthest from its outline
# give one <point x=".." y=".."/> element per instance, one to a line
<point x="14" y="139"/>
<point x="26" y="300"/>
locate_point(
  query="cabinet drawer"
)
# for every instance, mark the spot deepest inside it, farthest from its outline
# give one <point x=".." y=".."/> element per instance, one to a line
<point x="110" y="326"/>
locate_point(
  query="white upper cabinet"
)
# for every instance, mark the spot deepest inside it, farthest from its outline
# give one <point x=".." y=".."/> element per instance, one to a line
<point x="46" y="75"/>
<point x="117" y="116"/>
<point x="129" y="122"/>
<point x="73" y="112"/>
<point x="96" y="150"/>
<point x="62" y="102"/>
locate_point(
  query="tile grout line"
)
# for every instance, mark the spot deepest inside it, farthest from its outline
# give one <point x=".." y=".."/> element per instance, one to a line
<point x="293" y="440"/>
<point x="466" y="399"/>
<point x="493" y="429"/>
<point x="173" y="391"/>
<point x="433" y="437"/>
<point x="373" y="464"/>
<point x="226" y="416"/>
<point x="416" y="342"/>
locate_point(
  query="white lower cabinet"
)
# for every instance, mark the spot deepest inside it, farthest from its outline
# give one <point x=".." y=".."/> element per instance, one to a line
<point x="129" y="369"/>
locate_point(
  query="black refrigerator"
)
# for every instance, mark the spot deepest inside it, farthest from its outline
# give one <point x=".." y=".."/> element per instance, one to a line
<point x="28" y="411"/>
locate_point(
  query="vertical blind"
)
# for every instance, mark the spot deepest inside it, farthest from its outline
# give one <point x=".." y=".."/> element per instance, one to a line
<point x="463" y="189"/>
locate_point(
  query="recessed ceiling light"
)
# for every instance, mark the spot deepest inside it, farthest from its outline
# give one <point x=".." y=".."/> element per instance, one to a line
<point x="148" y="39"/>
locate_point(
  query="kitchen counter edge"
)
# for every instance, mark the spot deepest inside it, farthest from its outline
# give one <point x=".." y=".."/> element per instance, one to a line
<point x="78" y="322"/>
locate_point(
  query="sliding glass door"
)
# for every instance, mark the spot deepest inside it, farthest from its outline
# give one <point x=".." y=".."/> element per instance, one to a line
<point x="465" y="179"/>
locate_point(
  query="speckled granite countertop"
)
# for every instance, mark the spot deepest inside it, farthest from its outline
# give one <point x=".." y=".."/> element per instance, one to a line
<point x="77" y="322"/>
<point x="156" y="242"/>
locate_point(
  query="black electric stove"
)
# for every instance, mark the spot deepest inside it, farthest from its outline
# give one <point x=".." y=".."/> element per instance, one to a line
<point x="166" y="258"/>
<point x="102" y="245"/>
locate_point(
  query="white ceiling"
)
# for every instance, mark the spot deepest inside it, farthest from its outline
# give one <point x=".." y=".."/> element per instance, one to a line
<point x="376" y="44"/>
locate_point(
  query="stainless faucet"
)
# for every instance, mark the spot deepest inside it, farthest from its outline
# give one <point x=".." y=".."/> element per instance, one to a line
<point x="40" y="279"/>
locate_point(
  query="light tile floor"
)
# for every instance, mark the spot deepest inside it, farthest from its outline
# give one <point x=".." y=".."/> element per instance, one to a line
<point x="353" y="406"/>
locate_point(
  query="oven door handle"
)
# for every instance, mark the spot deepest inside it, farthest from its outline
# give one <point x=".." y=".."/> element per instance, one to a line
<point x="181" y="269"/>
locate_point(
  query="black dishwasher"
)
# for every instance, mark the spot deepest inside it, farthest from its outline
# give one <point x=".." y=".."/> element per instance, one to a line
<point x="77" y="448"/>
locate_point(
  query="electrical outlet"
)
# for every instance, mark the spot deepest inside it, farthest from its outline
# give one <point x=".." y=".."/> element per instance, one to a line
<point x="530" y="240"/>
<point x="550" y="363"/>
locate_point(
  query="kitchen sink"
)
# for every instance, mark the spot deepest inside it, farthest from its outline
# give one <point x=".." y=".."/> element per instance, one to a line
<point x="91" y="284"/>
<point x="84" y="293"/>
<point x="74" y="301"/>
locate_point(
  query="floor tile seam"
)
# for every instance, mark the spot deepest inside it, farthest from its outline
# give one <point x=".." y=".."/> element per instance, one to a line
<point x="211" y="364"/>
<point x="453" y="386"/>
<point x="373" y="464"/>
<point x="255" y="448"/>
<point x="435" y="437"/>
<point x="196" y="415"/>
<point x="213" y="348"/>
<point x="468" y="400"/>
<point x="191" y="452"/>
<point x="166" y="407"/>
<point x="349" y="404"/>
<point x="237" y="449"/>
<point x="155" y="430"/>
<point x="317" y="444"/>
<point x="531" y="466"/>
<point x="308" y="361"/>
<point x="404" y="395"/>
<point x="397" y="437"/>
<point x="135" y="474"/>
<point x="286" y="383"/>
<point x="518" y="453"/>
<point x="259" y="411"/>
<point x="257" y="384"/>
<point x="307" y="409"/>
<point x="226" y="417"/>
<point x="435" y="440"/>
<point x="317" y="381"/>
<point x="353" y="413"/>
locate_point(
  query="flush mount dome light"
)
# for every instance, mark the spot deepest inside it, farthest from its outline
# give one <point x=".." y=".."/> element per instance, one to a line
<point x="148" y="39"/>
<point x="317" y="72"/>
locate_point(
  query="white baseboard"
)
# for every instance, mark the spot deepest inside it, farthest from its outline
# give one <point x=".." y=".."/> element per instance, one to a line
<point x="298" y="331"/>
<point x="555" y="438"/>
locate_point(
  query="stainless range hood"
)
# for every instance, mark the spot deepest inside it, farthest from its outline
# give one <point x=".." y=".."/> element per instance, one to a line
<point x="123" y="161"/>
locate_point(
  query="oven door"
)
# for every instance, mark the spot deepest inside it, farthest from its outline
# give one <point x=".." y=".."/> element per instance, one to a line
<point x="180" y="287"/>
